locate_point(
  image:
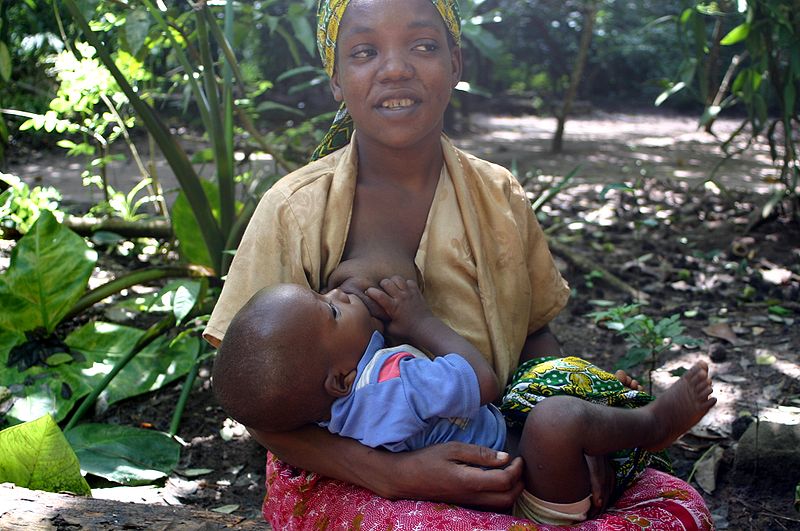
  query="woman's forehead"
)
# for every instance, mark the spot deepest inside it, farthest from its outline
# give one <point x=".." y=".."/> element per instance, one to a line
<point x="330" y="14"/>
<point x="371" y="16"/>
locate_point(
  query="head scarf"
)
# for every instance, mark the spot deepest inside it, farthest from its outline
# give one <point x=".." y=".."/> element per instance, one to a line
<point x="329" y="16"/>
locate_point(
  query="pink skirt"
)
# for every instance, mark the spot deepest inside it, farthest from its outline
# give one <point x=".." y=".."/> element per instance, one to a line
<point x="301" y="500"/>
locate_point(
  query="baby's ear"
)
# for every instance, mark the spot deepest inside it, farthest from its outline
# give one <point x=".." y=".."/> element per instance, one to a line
<point x="339" y="383"/>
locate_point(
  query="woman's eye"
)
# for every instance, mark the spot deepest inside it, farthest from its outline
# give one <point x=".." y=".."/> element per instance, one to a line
<point x="363" y="53"/>
<point x="426" y="47"/>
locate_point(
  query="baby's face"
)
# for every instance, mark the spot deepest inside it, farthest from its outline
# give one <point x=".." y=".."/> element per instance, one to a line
<point x="344" y="325"/>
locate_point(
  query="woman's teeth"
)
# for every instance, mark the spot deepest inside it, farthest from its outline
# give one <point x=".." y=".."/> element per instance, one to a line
<point x="396" y="104"/>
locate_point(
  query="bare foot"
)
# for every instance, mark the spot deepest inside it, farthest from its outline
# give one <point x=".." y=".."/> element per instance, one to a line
<point x="625" y="379"/>
<point x="681" y="406"/>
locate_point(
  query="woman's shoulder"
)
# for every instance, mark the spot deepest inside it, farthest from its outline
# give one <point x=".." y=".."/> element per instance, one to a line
<point x="314" y="177"/>
<point x="490" y="173"/>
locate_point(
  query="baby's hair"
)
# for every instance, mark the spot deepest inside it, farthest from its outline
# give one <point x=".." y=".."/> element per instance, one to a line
<point x="266" y="375"/>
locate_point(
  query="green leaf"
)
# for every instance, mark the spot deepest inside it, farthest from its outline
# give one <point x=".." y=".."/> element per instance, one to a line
<point x="58" y="359"/>
<point x="780" y="310"/>
<point x="634" y="357"/>
<point x="126" y="455"/>
<point x="137" y="26"/>
<point x="5" y="62"/>
<point x="302" y="29"/>
<point x="737" y="34"/>
<point x="48" y="391"/>
<point x="36" y="455"/>
<point x="48" y="272"/>
<point x="104" y="344"/>
<point x="191" y="243"/>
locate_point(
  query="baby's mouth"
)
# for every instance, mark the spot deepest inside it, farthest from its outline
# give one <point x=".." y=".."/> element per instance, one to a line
<point x="400" y="103"/>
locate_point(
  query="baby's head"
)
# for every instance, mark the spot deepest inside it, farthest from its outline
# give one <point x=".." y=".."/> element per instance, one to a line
<point x="288" y="354"/>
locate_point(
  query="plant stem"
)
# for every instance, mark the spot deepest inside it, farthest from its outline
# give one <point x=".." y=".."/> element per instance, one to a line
<point x="132" y="279"/>
<point x="185" y="391"/>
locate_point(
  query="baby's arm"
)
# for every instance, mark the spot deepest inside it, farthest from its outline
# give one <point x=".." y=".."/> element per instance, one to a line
<point x="413" y="322"/>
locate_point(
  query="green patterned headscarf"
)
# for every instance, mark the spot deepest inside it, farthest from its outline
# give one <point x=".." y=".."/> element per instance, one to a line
<point x="329" y="16"/>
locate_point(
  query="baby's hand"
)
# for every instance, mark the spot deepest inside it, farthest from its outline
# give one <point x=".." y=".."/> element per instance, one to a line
<point x="403" y="303"/>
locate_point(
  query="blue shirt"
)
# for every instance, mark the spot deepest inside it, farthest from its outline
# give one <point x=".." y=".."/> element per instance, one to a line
<point x="402" y="400"/>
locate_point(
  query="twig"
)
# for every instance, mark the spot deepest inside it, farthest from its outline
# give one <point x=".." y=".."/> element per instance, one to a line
<point x="585" y="264"/>
<point x="763" y="510"/>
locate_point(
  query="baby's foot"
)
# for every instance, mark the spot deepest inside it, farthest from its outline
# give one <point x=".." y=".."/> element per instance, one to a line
<point x="625" y="379"/>
<point x="681" y="406"/>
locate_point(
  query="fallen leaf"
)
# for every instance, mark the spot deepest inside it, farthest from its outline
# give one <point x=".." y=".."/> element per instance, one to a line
<point x="777" y="275"/>
<point x="226" y="509"/>
<point x="193" y="472"/>
<point x="730" y="378"/>
<point x="765" y="357"/>
<point x="721" y="331"/>
<point x="705" y="469"/>
<point x="757" y="330"/>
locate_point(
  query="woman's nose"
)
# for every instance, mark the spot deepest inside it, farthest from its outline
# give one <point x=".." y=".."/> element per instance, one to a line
<point x="396" y="67"/>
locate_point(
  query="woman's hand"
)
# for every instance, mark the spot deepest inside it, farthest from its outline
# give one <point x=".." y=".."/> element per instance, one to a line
<point x="452" y="473"/>
<point x="448" y="473"/>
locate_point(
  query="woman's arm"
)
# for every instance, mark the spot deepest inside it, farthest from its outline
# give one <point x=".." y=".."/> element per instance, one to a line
<point x="540" y="343"/>
<point x="448" y="472"/>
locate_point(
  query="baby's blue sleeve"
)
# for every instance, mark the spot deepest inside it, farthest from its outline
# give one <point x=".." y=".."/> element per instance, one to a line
<point x="388" y="412"/>
<point x="444" y="387"/>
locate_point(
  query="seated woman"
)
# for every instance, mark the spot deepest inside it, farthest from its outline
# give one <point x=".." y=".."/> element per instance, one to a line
<point x="397" y="189"/>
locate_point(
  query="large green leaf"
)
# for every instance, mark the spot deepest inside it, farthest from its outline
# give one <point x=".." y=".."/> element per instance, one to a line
<point x="49" y="391"/>
<point x="55" y="390"/>
<point x="36" y="455"/>
<point x="187" y="231"/>
<point x="104" y="344"/>
<point x="126" y="455"/>
<point x="48" y="272"/>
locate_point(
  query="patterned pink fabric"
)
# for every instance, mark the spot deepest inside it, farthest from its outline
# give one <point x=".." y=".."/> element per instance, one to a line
<point x="299" y="500"/>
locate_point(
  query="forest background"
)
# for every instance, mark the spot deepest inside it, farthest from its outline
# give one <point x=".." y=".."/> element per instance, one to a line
<point x="106" y="282"/>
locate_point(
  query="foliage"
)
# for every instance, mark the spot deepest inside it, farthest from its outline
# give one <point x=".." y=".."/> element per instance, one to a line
<point x="646" y="338"/>
<point x="48" y="273"/>
<point x="122" y="454"/>
<point x="45" y="281"/>
<point x="761" y="41"/>
<point x="628" y="53"/>
<point x="20" y="205"/>
<point x="36" y="455"/>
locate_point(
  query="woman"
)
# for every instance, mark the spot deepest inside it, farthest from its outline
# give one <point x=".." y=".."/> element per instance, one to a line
<point x="399" y="192"/>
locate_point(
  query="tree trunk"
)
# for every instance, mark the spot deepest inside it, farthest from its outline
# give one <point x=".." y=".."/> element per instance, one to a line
<point x="22" y="508"/>
<point x="589" y="19"/>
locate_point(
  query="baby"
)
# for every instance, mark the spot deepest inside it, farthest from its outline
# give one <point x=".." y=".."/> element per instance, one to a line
<point x="292" y="357"/>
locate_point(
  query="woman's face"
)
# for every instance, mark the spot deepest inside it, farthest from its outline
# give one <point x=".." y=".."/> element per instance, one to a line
<point x="395" y="70"/>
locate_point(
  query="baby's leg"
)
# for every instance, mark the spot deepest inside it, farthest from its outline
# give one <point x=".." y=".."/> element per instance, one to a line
<point x="560" y="430"/>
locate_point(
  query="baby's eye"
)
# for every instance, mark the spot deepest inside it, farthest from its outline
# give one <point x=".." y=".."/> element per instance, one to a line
<point x="335" y="311"/>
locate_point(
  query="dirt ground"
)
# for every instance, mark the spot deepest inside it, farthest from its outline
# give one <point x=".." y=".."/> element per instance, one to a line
<point x="673" y="236"/>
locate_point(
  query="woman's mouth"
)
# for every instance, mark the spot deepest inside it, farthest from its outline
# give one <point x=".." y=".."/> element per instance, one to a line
<point x="400" y="103"/>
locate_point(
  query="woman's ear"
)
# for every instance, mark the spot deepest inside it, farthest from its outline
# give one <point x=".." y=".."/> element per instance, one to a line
<point x="457" y="62"/>
<point x="336" y="88"/>
<point x="338" y="383"/>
